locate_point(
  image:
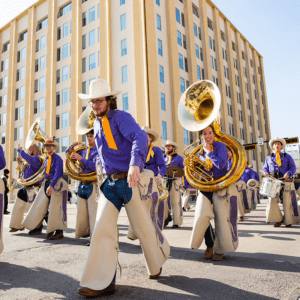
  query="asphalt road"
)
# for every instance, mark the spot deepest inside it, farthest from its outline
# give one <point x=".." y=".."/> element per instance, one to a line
<point x="266" y="264"/>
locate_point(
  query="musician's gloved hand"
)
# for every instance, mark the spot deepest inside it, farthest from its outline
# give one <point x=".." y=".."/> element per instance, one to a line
<point x="133" y="176"/>
<point x="266" y="174"/>
<point x="158" y="178"/>
<point x="286" y="176"/>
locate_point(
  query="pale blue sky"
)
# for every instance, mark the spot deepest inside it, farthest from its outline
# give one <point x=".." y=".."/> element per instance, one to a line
<point x="273" y="28"/>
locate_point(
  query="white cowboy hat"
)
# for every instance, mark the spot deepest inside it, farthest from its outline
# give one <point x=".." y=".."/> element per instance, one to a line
<point x="98" y="89"/>
<point x="282" y="141"/>
<point x="168" y="142"/>
<point x="152" y="132"/>
<point x="50" y="142"/>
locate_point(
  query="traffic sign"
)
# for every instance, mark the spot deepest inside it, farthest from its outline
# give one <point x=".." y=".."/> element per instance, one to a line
<point x="250" y="147"/>
<point x="260" y="141"/>
<point x="293" y="140"/>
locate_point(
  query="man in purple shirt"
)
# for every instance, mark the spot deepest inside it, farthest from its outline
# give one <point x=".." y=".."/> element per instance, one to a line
<point x="53" y="193"/>
<point x="122" y="148"/>
<point x="86" y="200"/>
<point x="282" y="166"/>
<point x="174" y="184"/>
<point x="27" y="194"/>
<point x="2" y="166"/>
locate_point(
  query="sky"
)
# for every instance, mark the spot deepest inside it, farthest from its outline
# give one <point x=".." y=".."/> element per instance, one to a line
<point x="272" y="27"/>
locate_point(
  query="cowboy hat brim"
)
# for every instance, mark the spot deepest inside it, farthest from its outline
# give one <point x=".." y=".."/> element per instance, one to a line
<point x="171" y="144"/>
<point x="152" y="132"/>
<point x="90" y="97"/>
<point x="54" y="144"/>
<point x="282" y="141"/>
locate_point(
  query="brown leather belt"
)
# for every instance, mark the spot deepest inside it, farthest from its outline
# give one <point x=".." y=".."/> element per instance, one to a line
<point x="117" y="176"/>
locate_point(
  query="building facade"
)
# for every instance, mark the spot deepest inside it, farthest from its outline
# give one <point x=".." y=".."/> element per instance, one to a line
<point x="151" y="50"/>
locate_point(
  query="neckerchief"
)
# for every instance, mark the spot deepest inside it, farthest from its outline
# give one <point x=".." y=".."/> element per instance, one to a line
<point x="150" y="153"/>
<point x="107" y="131"/>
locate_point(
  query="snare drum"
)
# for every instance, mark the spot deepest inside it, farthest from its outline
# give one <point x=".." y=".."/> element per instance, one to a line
<point x="270" y="187"/>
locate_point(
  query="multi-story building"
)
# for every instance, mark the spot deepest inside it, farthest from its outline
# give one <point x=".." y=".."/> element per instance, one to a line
<point x="151" y="50"/>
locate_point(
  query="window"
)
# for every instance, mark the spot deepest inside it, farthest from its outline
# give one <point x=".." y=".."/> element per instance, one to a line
<point x="64" y="10"/>
<point x="43" y="127"/>
<point x="92" y="13"/>
<point x="42" y="83"/>
<point x="57" y="122"/>
<point x="65" y="29"/>
<point x="180" y="57"/>
<point x="23" y="53"/>
<point x="233" y="46"/>
<point x="15" y="139"/>
<point x="83" y="19"/>
<point x="65" y="51"/>
<point x="164" y="130"/>
<point x="197" y="51"/>
<point x="98" y="34"/>
<point x="195" y="30"/>
<point x="42" y="62"/>
<point x="58" y="33"/>
<point x="64" y="120"/>
<point x="182" y="20"/>
<point x="65" y="73"/>
<point x="123" y="2"/>
<point x="43" y="42"/>
<point x="5" y="82"/>
<point x="41" y="105"/>
<point x="199" y="33"/>
<point x="163" y="101"/>
<point x="92" y="37"/>
<point x="6" y="64"/>
<point x="124" y="74"/>
<point x="65" y="96"/>
<point x="3" y="137"/>
<point x="84" y="39"/>
<point x="243" y="55"/>
<point x="195" y="11"/>
<point x="158" y="2"/>
<point x="210" y="43"/>
<point x="177" y="12"/>
<point x="22" y="92"/>
<point x="16" y="114"/>
<point x="92" y="61"/>
<point x="209" y="23"/>
<point x="179" y="40"/>
<point x="212" y="62"/>
<point x="84" y="65"/>
<point x="99" y="61"/>
<point x="123" y="47"/>
<point x="161" y="74"/>
<point x="5" y="47"/>
<point x="125" y="101"/>
<point x="4" y="119"/>
<point x="1" y="83"/>
<point x="42" y="24"/>
<point x="198" y="73"/>
<point x="158" y="22"/>
<point x="83" y="87"/>
<point x="216" y="68"/>
<point x="186" y="67"/>
<point x="4" y="100"/>
<point x="123" y="21"/>
<point x="58" y="99"/>
<point x="222" y="35"/>
<point x="159" y="42"/>
<point x="58" y="54"/>
<point x="22" y="37"/>
<point x="64" y="144"/>
<point x="185" y="137"/>
<point x="182" y="87"/>
<point x="21" y="132"/>
<point x="58" y="76"/>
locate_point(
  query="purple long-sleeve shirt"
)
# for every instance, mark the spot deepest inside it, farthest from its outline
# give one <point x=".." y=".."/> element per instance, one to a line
<point x="2" y="159"/>
<point x="219" y="159"/>
<point x="56" y="169"/>
<point x="156" y="163"/>
<point x="287" y="164"/>
<point x="90" y="163"/>
<point x="130" y="140"/>
<point x="255" y="175"/>
<point x="34" y="163"/>
<point x="248" y="174"/>
<point x="177" y="160"/>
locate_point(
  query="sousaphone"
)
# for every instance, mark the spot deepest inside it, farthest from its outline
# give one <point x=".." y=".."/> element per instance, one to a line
<point x="35" y="135"/>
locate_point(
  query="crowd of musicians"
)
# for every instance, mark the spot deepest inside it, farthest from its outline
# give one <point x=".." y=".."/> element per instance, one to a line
<point x="131" y="172"/>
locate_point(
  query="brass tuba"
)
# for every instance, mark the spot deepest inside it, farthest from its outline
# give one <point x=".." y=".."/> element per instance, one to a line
<point x="198" y="108"/>
<point x="73" y="167"/>
<point x="35" y="134"/>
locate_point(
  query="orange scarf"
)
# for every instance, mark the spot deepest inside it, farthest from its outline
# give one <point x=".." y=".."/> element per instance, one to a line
<point x="208" y="161"/>
<point x="278" y="159"/>
<point x="150" y="153"/>
<point x="107" y="131"/>
<point x="88" y="152"/>
<point x="49" y="163"/>
<point x="170" y="158"/>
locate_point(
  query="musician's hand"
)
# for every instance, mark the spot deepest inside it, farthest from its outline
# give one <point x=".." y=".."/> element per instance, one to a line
<point x="206" y="148"/>
<point x="74" y="144"/>
<point x="133" y="176"/>
<point x="286" y="176"/>
<point x="266" y="174"/>
<point x="19" y="158"/>
<point x="76" y="156"/>
<point x="158" y="178"/>
<point x="49" y="191"/>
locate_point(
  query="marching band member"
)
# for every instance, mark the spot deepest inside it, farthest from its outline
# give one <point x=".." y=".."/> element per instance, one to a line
<point x="214" y="205"/>
<point x="27" y="194"/>
<point x="255" y="185"/>
<point x="2" y="166"/>
<point x="6" y="190"/>
<point x="53" y="193"/>
<point x="122" y="148"/>
<point x="86" y="200"/>
<point x="174" y="184"/>
<point x="281" y="165"/>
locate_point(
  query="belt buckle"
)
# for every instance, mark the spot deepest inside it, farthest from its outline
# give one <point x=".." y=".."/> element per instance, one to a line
<point x="113" y="177"/>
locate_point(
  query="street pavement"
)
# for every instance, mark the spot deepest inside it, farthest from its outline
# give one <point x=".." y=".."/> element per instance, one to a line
<point x="266" y="264"/>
